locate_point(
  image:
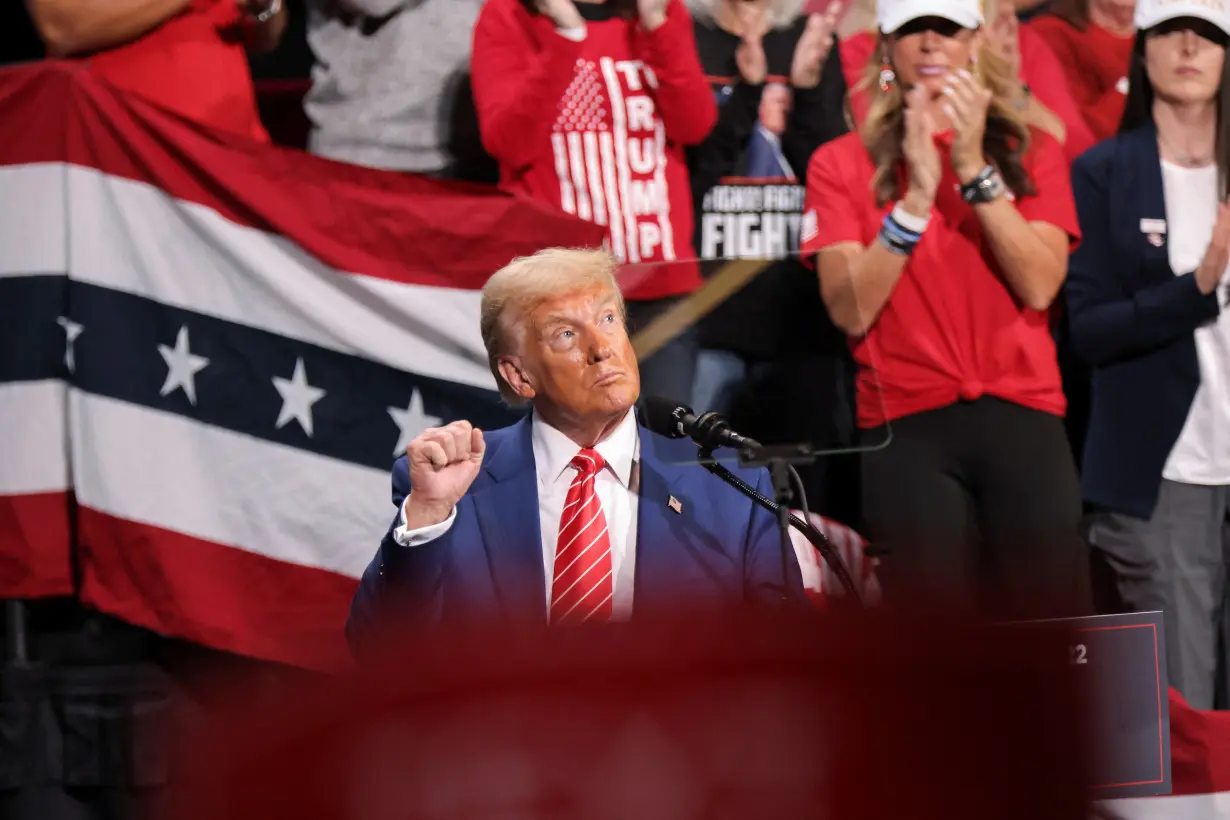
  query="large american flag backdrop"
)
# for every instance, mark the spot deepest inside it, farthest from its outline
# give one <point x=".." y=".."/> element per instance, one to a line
<point x="210" y="354"/>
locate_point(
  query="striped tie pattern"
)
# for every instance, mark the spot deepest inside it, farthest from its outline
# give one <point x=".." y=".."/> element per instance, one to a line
<point x="583" y="585"/>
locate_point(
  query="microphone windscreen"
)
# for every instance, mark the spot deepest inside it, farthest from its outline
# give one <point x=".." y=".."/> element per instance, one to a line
<point x="662" y="416"/>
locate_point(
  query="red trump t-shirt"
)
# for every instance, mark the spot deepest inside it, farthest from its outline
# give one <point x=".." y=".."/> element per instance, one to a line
<point x="951" y="329"/>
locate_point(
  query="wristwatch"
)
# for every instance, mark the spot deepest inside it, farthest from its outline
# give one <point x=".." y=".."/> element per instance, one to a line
<point x="268" y="13"/>
<point x="988" y="186"/>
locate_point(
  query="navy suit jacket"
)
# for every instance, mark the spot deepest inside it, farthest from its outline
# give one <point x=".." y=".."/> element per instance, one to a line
<point x="1132" y="319"/>
<point x="719" y="550"/>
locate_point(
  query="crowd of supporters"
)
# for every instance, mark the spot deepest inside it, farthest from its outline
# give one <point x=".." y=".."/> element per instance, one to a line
<point x="998" y="241"/>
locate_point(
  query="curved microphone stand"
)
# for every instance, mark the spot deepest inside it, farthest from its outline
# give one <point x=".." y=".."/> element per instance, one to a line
<point x="785" y="518"/>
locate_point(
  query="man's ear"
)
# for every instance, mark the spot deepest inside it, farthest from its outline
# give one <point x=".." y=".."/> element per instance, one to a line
<point x="517" y="377"/>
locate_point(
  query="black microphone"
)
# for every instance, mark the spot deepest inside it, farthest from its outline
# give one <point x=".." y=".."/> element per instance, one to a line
<point x="675" y="420"/>
<point x="710" y="430"/>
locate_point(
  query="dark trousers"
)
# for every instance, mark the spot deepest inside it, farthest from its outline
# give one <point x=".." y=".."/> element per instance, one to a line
<point x="1177" y="561"/>
<point x="978" y="504"/>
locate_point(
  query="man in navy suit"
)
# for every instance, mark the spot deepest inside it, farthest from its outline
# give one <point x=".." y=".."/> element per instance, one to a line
<point x="576" y="513"/>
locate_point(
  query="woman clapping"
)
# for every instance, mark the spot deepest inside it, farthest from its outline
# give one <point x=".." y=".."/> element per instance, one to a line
<point x="941" y="234"/>
<point x="1147" y="304"/>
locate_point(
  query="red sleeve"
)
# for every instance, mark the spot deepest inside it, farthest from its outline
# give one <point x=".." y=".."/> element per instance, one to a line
<point x="832" y="206"/>
<point x="683" y="97"/>
<point x="519" y="70"/>
<point x="1043" y="73"/>
<point x="1052" y="201"/>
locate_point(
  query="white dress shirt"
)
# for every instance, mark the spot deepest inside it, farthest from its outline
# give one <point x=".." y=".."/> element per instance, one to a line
<point x="1202" y="453"/>
<point x="553" y="452"/>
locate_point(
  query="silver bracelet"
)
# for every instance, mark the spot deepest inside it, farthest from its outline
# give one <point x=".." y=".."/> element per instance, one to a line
<point x="268" y="14"/>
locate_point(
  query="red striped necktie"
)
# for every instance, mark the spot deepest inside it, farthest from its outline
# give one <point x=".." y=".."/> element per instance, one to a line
<point x="583" y="584"/>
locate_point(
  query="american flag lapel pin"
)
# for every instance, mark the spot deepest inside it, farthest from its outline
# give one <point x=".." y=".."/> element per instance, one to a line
<point x="675" y="505"/>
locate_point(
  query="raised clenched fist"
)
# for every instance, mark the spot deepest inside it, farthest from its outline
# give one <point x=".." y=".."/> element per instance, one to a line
<point x="443" y="464"/>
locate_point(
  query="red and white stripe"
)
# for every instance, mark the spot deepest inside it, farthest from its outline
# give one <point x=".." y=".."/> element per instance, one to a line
<point x="195" y="531"/>
<point x="607" y="175"/>
<point x="819" y="579"/>
<point x="583" y="582"/>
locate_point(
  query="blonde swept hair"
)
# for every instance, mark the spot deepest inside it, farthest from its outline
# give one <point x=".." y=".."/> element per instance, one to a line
<point x="1005" y="141"/>
<point x="515" y="290"/>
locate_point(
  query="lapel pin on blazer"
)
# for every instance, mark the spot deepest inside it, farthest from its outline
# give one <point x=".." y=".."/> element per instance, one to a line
<point x="1154" y="230"/>
<point x="675" y="505"/>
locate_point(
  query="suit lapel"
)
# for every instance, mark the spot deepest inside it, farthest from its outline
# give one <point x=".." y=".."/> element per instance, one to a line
<point x="660" y="553"/>
<point x="1141" y="196"/>
<point x="507" y="512"/>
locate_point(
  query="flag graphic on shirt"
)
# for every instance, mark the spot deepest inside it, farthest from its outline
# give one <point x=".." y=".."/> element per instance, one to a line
<point x="610" y="157"/>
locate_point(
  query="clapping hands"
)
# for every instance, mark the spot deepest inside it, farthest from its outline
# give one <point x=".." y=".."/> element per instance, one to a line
<point x="1217" y="256"/>
<point x="813" y="47"/>
<point x="921" y="155"/>
<point x="965" y="103"/>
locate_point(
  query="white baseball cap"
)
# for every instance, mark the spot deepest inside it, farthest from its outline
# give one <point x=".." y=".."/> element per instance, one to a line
<point x="1150" y="13"/>
<point x="893" y="14"/>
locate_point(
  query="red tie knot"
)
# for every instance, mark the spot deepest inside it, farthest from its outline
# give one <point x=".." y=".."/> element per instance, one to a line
<point x="588" y="462"/>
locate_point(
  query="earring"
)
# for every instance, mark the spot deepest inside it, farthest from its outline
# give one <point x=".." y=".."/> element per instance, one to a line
<point x="887" y="75"/>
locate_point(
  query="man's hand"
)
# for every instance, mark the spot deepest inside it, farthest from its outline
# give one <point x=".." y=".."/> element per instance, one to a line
<point x="813" y="47"/>
<point x="443" y="464"/>
<point x="561" y="12"/>
<point x="652" y="13"/>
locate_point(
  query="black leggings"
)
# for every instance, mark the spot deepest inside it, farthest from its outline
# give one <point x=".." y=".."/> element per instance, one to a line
<point x="978" y="504"/>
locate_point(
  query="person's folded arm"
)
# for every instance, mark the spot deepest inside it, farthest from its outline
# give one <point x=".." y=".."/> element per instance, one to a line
<point x="1106" y="323"/>
<point x="71" y="28"/>
<point x="517" y="89"/>
<point x="684" y="100"/>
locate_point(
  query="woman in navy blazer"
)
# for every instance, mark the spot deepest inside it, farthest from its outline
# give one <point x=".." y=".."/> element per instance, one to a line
<point x="1145" y="291"/>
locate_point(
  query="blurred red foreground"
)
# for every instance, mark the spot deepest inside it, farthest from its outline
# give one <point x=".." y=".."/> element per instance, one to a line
<point x="841" y="717"/>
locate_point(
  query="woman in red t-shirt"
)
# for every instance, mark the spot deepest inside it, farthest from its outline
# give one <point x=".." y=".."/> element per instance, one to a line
<point x="941" y="236"/>
<point x="1045" y="101"/>
<point x="187" y="56"/>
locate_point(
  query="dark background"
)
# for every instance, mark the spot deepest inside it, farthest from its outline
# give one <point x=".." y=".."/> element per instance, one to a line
<point x="292" y="59"/>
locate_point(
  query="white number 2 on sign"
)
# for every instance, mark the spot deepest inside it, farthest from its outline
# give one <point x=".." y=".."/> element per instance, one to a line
<point x="1078" y="654"/>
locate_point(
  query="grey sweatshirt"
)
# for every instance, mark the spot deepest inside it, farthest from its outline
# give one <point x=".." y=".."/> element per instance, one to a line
<point x="386" y="77"/>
